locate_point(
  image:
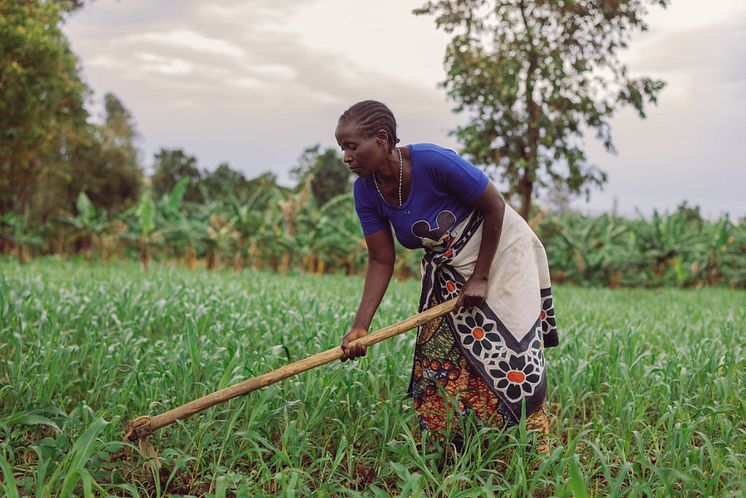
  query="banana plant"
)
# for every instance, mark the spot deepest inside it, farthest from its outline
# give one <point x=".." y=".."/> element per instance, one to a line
<point x="587" y="250"/>
<point x="21" y="233"/>
<point x="141" y="227"/>
<point x="718" y="248"/>
<point x="90" y="227"/>
<point x="338" y="239"/>
<point x="181" y="232"/>
<point x="184" y="235"/>
<point x="221" y="239"/>
<point x="247" y="219"/>
<point x="209" y="230"/>
<point x="733" y="258"/>
<point x="665" y="243"/>
<point x="293" y="207"/>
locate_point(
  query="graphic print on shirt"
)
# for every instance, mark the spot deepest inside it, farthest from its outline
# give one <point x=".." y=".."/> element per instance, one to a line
<point x="439" y="237"/>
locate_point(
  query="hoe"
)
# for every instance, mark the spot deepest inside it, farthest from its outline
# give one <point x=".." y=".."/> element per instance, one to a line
<point x="141" y="427"/>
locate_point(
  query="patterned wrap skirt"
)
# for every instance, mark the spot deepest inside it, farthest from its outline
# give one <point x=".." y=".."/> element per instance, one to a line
<point x="487" y="360"/>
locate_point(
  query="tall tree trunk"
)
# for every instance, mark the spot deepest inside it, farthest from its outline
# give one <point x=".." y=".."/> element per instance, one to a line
<point x="106" y="244"/>
<point x="22" y="254"/>
<point x="285" y="263"/>
<point x="211" y="259"/>
<point x="532" y="131"/>
<point x="191" y="257"/>
<point x="238" y="257"/>
<point x="351" y="265"/>
<point x="526" y="188"/>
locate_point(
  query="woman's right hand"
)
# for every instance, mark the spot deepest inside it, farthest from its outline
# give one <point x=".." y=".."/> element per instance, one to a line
<point x="353" y="350"/>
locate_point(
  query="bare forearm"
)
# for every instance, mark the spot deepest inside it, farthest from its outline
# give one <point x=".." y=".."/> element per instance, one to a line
<point x="491" y="229"/>
<point x="377" y="278"/>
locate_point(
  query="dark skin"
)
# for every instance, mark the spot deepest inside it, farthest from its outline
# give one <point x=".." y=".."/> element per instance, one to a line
<point x="366" y="155"/>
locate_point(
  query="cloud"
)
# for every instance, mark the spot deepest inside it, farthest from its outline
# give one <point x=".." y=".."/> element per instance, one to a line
<point x="693" y="142"/>
<point x="254" y="83"/>
<point x="228" y="81"/>
<point x="165" y="65"/>
<point x="241" y="54"/>
<point x="183" y="38"/>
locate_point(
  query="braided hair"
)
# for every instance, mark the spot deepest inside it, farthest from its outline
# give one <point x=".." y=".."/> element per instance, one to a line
<point x="372" y="116"/>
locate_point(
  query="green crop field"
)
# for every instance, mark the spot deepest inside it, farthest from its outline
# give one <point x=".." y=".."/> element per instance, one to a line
<point x="647" y="392"/>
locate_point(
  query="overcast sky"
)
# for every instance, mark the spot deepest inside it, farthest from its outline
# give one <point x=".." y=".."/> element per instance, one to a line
<point x="254" y="82"/>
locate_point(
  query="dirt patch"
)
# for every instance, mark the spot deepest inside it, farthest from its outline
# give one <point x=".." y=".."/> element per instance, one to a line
<point x="364" y="476"/>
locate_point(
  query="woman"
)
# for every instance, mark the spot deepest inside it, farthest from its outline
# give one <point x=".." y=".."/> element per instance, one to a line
<point x="487" y="357"/>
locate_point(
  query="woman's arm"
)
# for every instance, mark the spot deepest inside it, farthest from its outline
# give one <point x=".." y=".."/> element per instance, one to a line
<point x="492" y="206"/>
<point x="381" y="258"/>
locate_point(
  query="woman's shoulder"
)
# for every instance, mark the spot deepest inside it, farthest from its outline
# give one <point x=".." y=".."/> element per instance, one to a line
<point x="432" y="154"/>
<point x="437" y="158"/>
<point x="430" y="147"/>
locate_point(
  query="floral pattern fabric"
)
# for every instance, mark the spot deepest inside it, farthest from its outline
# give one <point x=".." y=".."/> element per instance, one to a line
<point x="470" y="361"/>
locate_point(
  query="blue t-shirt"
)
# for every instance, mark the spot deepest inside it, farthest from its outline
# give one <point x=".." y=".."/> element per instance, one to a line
<point x="443" y="188"/>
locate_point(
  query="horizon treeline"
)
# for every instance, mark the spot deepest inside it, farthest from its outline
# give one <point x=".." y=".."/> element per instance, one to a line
<point x="74" y="184"/>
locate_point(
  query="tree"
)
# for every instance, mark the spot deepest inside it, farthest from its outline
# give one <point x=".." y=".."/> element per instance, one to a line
<point x="266" y="183"/>
<point x="225" y="182"/>
<point x="119" y="124"/>
<point x="121" y="169"/>
<point x="42" y="98"/>
<point x="101" y="161"/>
<point x="534" y="76"/>
<point x="69" y="5"/>
<point x="20" y="232"/>
<point x="171" y="165"/>
<point x="106" y="163"/>
<point x="330" y="175"/>
<point x="90" y="225"/>
<point x="49" y="152"/>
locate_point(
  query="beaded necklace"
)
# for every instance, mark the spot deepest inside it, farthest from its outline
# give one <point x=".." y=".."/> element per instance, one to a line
<point x="401" y="177"/>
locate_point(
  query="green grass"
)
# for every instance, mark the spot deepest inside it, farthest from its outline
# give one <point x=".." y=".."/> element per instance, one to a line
<point x="647" y="395"/>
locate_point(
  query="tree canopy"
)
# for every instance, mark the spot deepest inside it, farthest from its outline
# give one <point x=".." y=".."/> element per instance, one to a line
<point x="329" y="175"/>
<point x="41" y="99"/>
<point x="534" y="77"/>
<point x="171" y="165"/>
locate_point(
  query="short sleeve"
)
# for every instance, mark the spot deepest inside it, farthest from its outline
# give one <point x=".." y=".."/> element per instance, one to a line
<point x="371" y="220"/>
<point x="455" y="174"/>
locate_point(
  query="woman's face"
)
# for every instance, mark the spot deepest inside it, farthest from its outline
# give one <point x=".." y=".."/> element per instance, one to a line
<point x="362" y="154"/>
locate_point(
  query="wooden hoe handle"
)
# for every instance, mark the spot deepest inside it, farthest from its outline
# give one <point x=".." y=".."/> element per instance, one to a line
<point x="140" y="427"/>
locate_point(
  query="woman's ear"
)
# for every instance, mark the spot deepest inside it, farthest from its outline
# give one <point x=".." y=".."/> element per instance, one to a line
<point x="382" y="138"/>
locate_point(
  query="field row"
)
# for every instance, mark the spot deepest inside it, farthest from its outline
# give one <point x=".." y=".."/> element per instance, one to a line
<point x="646" y="391"/>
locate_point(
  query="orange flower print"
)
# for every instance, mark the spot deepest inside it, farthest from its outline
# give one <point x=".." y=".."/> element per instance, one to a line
<point x="478" y="333"/>
<point x="450" y="284"/>
<point x="516" y="377"/>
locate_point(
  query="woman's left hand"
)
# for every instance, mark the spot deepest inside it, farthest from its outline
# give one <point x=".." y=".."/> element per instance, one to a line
<point x="473" y="293"/>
